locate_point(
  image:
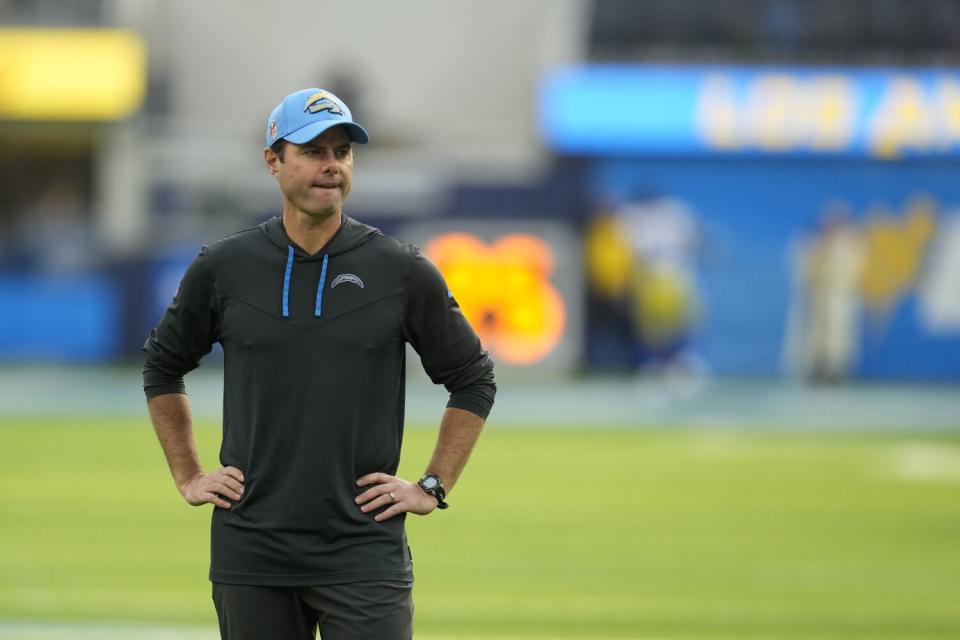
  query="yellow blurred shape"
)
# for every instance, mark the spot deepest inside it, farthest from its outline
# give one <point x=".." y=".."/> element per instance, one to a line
<point x="895" y="251"/>
<point x="662" y="304"/>
<point x="71" y="74"/>
<point x="609" y="262"/>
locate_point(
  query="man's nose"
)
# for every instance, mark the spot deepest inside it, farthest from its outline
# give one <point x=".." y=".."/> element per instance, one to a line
<point x="328" y="160"/>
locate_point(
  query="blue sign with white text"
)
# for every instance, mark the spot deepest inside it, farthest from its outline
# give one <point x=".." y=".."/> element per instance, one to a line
<point x="698" y="110"/>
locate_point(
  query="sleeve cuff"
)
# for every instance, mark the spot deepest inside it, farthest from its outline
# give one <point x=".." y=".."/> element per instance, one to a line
<point x="152" y="391"/>
<point x="477" y="400"/>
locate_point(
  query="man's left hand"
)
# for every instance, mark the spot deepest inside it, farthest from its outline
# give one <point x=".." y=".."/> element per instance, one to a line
<point x="397" y="494"/>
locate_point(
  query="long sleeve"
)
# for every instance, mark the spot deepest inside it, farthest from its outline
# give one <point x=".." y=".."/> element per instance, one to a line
<point x="449" y="348"/>
<point x="185" y="334"/>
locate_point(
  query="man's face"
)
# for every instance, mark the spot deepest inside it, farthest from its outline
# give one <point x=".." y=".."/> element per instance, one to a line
<point x="315" y="177"/>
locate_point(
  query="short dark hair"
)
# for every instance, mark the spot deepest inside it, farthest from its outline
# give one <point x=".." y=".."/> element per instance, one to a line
<point x="278" y="147"/>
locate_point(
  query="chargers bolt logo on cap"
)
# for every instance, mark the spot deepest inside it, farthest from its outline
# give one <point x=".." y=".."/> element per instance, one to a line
<point x="323" y="101"/>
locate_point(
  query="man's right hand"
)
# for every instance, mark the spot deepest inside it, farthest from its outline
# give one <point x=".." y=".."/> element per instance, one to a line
<point x="215" y="488"/>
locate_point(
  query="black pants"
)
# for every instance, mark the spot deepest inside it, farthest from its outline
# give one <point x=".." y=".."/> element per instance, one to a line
<point x="380" y="610"/>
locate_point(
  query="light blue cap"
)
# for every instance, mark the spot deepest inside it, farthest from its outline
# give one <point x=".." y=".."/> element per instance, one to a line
<point x="305" y="114"/>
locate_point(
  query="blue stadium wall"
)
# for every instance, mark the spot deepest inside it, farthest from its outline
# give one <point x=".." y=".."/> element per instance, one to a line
<point x="751" y="213"/>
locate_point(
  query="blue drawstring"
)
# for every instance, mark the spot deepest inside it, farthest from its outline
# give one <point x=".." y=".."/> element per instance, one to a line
<point x="286" y="282"/>
<point x="323" y="279"/>
<point x="286" y="285"/>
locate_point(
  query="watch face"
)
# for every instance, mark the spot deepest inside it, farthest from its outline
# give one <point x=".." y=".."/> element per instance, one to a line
<point x="430" y="482"/>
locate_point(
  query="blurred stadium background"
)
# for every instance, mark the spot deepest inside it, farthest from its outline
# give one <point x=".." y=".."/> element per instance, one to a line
<point x="713" y="247"/>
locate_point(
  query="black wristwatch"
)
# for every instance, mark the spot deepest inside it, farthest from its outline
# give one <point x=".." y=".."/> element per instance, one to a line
<point x="433" y="485"/>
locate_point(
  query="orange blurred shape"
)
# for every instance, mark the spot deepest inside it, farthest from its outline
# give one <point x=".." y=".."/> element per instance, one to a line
<point x="505" y="292"/>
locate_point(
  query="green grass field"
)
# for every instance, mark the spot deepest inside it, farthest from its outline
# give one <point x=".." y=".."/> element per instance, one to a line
<point x="564" y="533"/>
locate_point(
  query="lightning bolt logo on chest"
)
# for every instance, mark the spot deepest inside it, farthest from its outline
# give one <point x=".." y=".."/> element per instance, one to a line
<point x="346" y="277"/>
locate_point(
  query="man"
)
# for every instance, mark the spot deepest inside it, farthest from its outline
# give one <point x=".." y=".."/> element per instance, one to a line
<point x="313" y="311"/>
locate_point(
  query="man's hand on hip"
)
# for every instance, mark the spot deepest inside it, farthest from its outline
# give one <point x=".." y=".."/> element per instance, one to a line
<point x="226" y="482"/>
<point x="397" y="494"/>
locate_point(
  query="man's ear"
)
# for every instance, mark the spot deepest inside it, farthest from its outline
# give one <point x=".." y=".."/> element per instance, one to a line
<point x="272" y="160"/>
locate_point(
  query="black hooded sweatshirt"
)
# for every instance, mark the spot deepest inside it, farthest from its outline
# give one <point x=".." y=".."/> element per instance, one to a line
<point x="314" y="361"/>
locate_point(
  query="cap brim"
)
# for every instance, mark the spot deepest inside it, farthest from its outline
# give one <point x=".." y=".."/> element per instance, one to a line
<point x="305" y="134"/>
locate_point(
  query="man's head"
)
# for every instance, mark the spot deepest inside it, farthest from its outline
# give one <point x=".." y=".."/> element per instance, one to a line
<point x="310" y="152"/>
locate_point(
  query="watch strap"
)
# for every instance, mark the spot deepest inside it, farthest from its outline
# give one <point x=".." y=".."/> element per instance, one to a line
<point x="437" y="491"/>
<point x="440" y="493"/>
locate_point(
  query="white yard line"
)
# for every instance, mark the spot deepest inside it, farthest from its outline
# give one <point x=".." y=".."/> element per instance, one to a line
<point x="25" y="630"/>
<point x="927" y="462"/>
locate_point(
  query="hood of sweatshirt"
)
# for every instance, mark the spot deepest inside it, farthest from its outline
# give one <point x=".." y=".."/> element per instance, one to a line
<point x="350" y="235"/>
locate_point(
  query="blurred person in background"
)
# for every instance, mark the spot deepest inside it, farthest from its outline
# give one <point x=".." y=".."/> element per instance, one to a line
<point x="829" y="269"/>
<point x="313" y="310"/>
<point x="641" y="262"/>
